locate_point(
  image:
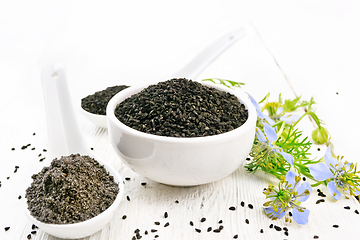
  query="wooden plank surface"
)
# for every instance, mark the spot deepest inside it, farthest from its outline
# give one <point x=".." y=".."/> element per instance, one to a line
<point x="291" y="47"/>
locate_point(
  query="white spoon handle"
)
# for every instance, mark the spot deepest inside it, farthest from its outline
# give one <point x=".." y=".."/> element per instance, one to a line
<point x="209" y="54"/>
<point x="64" y="136"/>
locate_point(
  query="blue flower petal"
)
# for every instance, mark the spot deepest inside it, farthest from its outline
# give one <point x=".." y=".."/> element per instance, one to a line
<point x="270" y="133"/>
<point x="290" y="178"/>
<point x="260" y="135"/>
<point x="259" y="112"/>
<point x="290" y="118"/>
<point x="288" y="157"/>
<point x="301" y="217"/>
<point x="330" y="161"/>
<point x="333" y="191"/>
<point x="320" y="171"/>
<point x="301" y="189"/>
<point x="271" y="213"/>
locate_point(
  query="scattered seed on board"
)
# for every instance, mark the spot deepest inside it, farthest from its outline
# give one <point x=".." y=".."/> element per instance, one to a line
<point x="242" y="204"/>
<point x="191" y="223"/>
<point x="335" y="226"/>
<point x="28" y="236"/>
<point x="143" y="183"/>
<point x="247" y="221"/>
<point x="157" y="223"/>
<point x="124" y="217"/>
<point x="33" y="227"/>
<point x="250" y="206"/>
<point x="221" y="227"/>
<point x="156" y="236"/>
<point x="6" y="228"/>
<point x="286" y="233"/>
<point x="19" y="197"/>
<point x="356" y="211"/>
<point x="347" y="207"/>
<point x="271" y="226"/>
<point x="217" y="230"/>
<point x="153" y="230"/>
<point x="166" y="215"/>
<point x="261" y="230"/>
<point x="316" y="237"/>
<point x="203" y="219"/>
<point x="33" y="232"/>
<point x="128" y="198"/>
<point x="198" y="230"/>
<point x="166" y="224"/>
<point x="232" y="208"/>
<point x="320" y="200"/>
<point x="209" y="229"/>
<point x="277" y="228"/>
<point x="235" y="236"/>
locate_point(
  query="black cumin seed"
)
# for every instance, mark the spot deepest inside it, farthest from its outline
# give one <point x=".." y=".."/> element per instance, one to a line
<point x="290" y="214"/>
<point x="157" y="223"/>
<point x="133" y="238"/>
<point x="124" y="217"/>
<point x="166" y="224"/>
<point x="127" y="179"/>
<point x="318" y="149"/>
<point x="356" y="211"/>
<point x="221" y="227"/>
<point x="198" y="230"/>
<point x="166" y="215"/>
<point x="16" y="167"/>
<point x="12" y="149"/>
<point x="191" y="223"/>
<point x="347" y="207"/>
<point x="285" y="229"/>
<point x="286" y="233"/>
<point x="41" y="159"/>
<point x="235" y="236"/>
<point x="220" y="221"/>
<point x="232" y="208"/>
<point x="143" y="183"/>
<point x="156" y="236"/>
<point x="335" y="226"/>
<point x="242" y="204"/>
<point x="8" y="178"/>
<point x="271" y="226"/>
<point x="33" y="232"/>
<point x="247" y="221"/>
<point x="137" y="230"/>
<point x="33" y="148"/>
<point x="316" y="237"/>
<point x="146" y="232"/>
<point x="203" y="219"/>
<point x="261" y="230"/>
<point x="44" y="150"/>
<point x="34" y="134"/>
<point x="217" y="230"/>
<point x="153" y="230"/>
<point x="128" y="198"/>
<point x="304" y="178"/>
<point x="33" y="227"/>
<point x="176" y="201"/>
<point x="28" y="236"/>
<point x="209" y="229"/>
<point x="19" y="197"/>
<point x="7" y="228"/>
<point x="250" y="206"/>
<point x="277" y="228"/>
<point x="320" y="200"/>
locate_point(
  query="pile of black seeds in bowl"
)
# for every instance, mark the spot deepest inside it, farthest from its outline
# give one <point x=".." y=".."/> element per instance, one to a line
<point x="72" y="189"/>
<point x="182" y="108"/>
<point x="97" y="102"/>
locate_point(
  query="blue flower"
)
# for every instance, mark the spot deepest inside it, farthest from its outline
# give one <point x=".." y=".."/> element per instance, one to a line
<point x="286" y="117"/>
<point x="261" y="115"/>
<point x="337" y="175"/>
<point x="286" y="197"/>
<point x="268" y="143"/>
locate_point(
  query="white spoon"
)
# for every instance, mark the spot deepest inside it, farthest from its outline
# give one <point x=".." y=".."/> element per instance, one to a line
<point x="190" y="70"/>
<point x="64" y="139"/>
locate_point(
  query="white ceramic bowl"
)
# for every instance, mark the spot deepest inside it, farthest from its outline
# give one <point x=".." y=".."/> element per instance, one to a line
<point x="88" y="227"/>
<point x="181" y="161"/>
<point x="96" y="119"/>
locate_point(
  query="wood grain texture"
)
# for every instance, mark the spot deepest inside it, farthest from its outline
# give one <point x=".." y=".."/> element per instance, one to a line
<point x="289" y="48"/>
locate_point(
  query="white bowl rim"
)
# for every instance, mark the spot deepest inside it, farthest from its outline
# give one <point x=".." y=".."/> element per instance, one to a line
<point x="242" y="96"/>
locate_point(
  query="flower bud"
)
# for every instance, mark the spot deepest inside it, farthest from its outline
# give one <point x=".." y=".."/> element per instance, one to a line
<point x="320" y="135"/>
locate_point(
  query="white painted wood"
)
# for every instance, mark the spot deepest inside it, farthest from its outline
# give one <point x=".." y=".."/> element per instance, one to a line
<point x="291" y="47"/>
